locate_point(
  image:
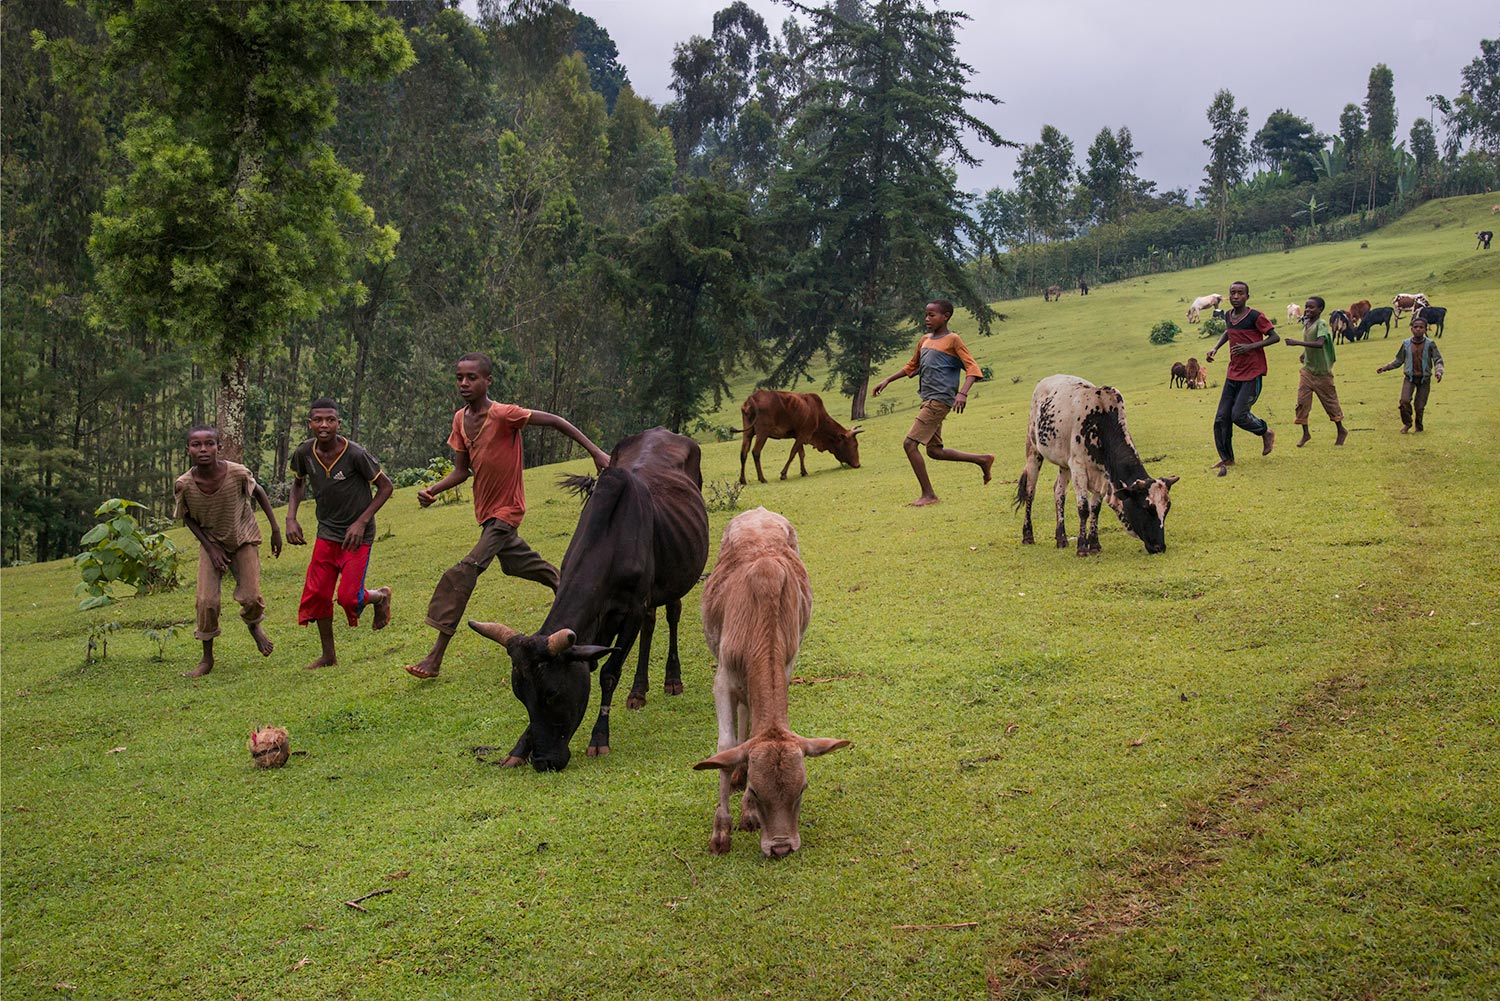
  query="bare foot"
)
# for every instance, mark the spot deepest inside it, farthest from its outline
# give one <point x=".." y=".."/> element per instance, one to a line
<point x="1223" y="470"/>
<point x="1270" y="442"/>
<point x="1406" y="430"/>
<point x="262" y="641"/>
<point x="204" y="666"/>
<point x="1342" y="435"/>
<point x="321" y="662"/>
<point x="985" y="464"/>
<point x="923" y="502"/>
<point x="381" y="600"/>
<point x="426" y="668"/>
<point x="1305" y="439"/>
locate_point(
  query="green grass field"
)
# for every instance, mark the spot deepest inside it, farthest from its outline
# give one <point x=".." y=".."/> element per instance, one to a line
<point x="1261" y="765"/>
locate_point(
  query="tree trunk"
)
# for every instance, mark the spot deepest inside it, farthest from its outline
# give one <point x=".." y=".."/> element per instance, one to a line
<point x="857" y="408"/>
<point x="233" y="388"/>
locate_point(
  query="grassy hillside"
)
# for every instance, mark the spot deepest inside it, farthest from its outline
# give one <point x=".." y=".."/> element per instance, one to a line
<point x="1261" y="765"/>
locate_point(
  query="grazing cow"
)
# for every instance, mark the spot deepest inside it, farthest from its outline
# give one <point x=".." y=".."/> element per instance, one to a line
<point x="1485" y="236"/>
<point x="1052" y="293"/>
<point x="1339" y="323"/>
<point x="1201" y="303"/>
<point x="1179" y="375"/>
<point x="1080" y="427"/>
<point x="1434" y="315"/>
<point x="1293" y="311"/>
<point x="1083" y="287"/>
<point x="756" y="606"/>
<point x="1408" y="302"/>
<point x="641" y="542"/>
<point x="1357" y="311"/>
<point x="1197" y="378"/>
<point x="769" y="413"/>
<point x="1380" y="315"/>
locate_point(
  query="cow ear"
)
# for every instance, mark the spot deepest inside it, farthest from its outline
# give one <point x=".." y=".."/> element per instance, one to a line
<point x="814" y="747"/>
<point x="725" y="760"/>
<point x="497" y="631"/>
<point x="590" y="653"/>
<point x="1169" y="480"/>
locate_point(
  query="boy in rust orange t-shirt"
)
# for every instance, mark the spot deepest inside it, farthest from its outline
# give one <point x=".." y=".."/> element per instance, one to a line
<point x="486" y="440"/>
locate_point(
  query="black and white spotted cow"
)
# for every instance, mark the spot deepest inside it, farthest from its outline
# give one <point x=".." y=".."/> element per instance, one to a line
<point x="1080" y="428"/>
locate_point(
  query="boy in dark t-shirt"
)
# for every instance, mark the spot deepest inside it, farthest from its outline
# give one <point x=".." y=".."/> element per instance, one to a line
<point x="341" y="474"/>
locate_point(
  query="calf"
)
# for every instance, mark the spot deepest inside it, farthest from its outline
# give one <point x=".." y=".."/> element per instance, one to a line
<point x="1485" y="236"/>
<point x="1293" y="311"/>
<point x="1357" y="311"/>
<point x="1380" y="315"/>
<point x="768" y="413"/>
<point x="1080" y="427"/>
<point x="1179" y="375"/>
<point x="1210" y="301"/>
<point x="1434" y="315"/>
<point x="756" y="607"/>
<point x="1052" y="293"/>
<point x="1338" y="322"/>
<point x="1408" y="302"/>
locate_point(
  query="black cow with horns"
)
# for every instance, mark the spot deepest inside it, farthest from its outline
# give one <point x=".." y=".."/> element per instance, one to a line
<point x="641" y="542"/>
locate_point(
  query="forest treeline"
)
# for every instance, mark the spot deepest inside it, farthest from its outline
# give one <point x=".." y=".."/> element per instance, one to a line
<point x="214" y="212"/>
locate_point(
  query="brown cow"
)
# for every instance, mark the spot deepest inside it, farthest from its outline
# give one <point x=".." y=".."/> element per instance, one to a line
<point x="1197" y="378"/>
<point x="1052" y="293"/>
<point x="802" y="416"/>
<point x="1358" y="310"/>
<point x="756" y="607"/>
<point x="1178" y="377"/>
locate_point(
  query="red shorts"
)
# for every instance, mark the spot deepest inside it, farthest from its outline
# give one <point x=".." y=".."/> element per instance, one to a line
<point x="332" y="564"/>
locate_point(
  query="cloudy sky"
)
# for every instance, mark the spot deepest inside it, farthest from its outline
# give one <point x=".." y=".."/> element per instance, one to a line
<point x="1082" y="65"/>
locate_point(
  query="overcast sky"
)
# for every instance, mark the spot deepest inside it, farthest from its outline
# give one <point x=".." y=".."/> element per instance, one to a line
<point x="1082" y="65"/>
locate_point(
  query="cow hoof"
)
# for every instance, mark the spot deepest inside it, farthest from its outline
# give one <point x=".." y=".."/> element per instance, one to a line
<point x="1027" y="540"/>
<point x="1062" y="543"/>
<point x="672" y="687"/>
<point x="719" y="845"/>
<point x="637" y="700"/>
<point x="511" y="761"/>
<point x="597" y="751"/>
<point x="750" y="822"/>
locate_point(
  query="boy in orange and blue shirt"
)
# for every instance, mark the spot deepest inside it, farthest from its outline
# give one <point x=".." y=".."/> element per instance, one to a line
<point x="939" y="358"/>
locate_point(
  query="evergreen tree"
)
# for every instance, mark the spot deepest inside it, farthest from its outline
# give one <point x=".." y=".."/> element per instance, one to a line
<point x="1422" y="141"/>
<point x="870" y="203"/>
<point x="233" y="217"/>
<point x="1380" y="125"/>
<point x="1227" y="156"/>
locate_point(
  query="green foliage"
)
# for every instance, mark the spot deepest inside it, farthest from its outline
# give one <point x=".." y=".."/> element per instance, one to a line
<point x="160" y="636"/>
<point x="98" y="641"/>
<point x="420" y="476"/>
<point x="701" y="426"/>
<point x="1165" y="332"/>
<point x="117" y="551"/>
<point x="1228" y="155"/>
<point x="1212" y="327"/>
<point x="722" y="495"/>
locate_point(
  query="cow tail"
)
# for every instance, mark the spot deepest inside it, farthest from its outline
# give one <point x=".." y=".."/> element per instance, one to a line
<point x="582" y="486"/>
<point x="1020" y="491"/>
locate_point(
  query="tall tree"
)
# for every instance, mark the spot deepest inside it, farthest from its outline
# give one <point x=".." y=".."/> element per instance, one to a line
<point x="1478" y="103"/>
<point x="1380" y="125"/>
<point x="601" y="57"/>
<point x="1422" y="141"/>
<point x="1109" y="175"/>
<point x="1227" y="156"/>
<point x="871" y="200"/>
<point x="233" y="217"/>
<point x="714" y="79"/>
<point x="1044" y="175"/>
<point x="1288" y="143"/>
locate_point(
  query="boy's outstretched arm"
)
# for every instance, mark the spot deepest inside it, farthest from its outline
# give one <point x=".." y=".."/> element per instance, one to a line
<point x="261" y="498"/>
<point x="543" y="419"/>
<point x="453" y="478"/>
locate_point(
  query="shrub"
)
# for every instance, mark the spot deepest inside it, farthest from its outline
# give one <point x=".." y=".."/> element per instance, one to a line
<point x="1213" y="328"/>
<point x="118" y="552"/>
<point x="420" y="476"/>
<point x="1165" y="332"/>
<point x="720" y="432"/>
<point x="723" y="495"/>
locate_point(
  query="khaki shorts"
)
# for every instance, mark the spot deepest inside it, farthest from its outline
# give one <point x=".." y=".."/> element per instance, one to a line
<point x="927" y="429"/>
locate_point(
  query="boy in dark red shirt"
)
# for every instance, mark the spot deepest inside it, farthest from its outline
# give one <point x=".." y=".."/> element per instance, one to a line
<point x="341" y="474"/>
<point x="1249" y="332"/>
<point x="486" y="438"/>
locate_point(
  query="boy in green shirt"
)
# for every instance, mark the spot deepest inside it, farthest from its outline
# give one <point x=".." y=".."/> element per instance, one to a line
<point x="1316" y="377"/>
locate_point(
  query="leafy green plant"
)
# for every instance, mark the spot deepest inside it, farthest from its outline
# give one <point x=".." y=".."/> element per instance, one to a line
<point x="119" y="552"/>
<point x="420" y="476"/>
<point x="1165" y="332"/>
<point x="719" y="432"/>
<point x="1213" y="328"/>
<point x="98" y="641"/>
<point x="161" y="636"/>
<point x="723" y="495"/>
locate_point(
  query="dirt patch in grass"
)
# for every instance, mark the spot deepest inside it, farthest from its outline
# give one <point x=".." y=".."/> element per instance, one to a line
<point x="1151" y="877"/>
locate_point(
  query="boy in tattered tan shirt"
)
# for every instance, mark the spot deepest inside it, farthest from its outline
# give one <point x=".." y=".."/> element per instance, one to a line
<point x="214" y="500"/>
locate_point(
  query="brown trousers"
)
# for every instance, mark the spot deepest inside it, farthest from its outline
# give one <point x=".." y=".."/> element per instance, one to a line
<point x="244" y="563"/>
<point x="1321" y="386"/>
<point x="1413" y="393"/>
<point x="517" y="559"/>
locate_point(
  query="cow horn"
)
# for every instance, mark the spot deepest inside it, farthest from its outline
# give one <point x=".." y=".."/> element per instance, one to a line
<point x="497" y="631"/>
<point x="1169" y="480"/>
<point x="560" y="641"/>
<point x="855" y="430"/>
